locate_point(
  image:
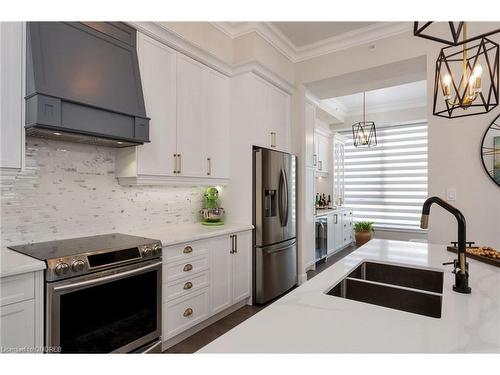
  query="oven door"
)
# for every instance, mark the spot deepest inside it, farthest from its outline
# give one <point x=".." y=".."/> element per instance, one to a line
<point x="117" y="310"/>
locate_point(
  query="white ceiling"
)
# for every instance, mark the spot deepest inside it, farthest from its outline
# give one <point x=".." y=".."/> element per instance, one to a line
<point x="304" y="33"/>
<point x="395" y="97"/>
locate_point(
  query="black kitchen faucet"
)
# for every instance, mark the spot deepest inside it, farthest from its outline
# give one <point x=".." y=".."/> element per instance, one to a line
<point x="461" y="267"/>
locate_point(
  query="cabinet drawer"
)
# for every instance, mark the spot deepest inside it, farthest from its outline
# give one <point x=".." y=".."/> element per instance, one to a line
<point x="17" y="288"/>
<point x="183" y="313"/>
<point x="184" y="268"/>
<point x="185" y="286"/>
<point x="185" y="251"/>
<point x="18" y="325"/>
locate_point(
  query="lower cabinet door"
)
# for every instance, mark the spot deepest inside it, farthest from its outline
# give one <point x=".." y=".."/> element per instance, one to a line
<point x="330" y="239"/>
<point x="241" y="264"/>
<point x="220" y="271"/>
<point x="184" y="312"/>
<point x="17" y="322"/>
<point x="339" y="231"/>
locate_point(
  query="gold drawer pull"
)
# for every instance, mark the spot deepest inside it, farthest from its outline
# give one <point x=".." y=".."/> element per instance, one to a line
<point x="187" y="250"/>
<point x="188" y="285"/>
<point x="188" y="312"/>
<point x="188" y="267"/>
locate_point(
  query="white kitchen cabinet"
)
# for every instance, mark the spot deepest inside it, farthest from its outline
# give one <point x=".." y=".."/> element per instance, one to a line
<point x="269" y="114"/>
<point x="330" y="243"/>
<point x="11" y="93"/>
<point x="322" y="152"/>
<point x="310" y="149"/>
<point x="21" y="312"/>
<point x="338" y="230"/>
<point x="216" y="129"/>
<point x="189" y="105"/>
<point x="221" y="274"/>
<point x="203" y="278"/>
<point x="241" y="266"/>
<point x="279" y="117"/>
<point x="190" y="129"/>
<point x="338" y="169"/>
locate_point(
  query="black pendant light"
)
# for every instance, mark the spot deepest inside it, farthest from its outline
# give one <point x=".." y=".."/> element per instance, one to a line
<point x="450" y="33"/>
<point x="364" y="133"/>
<point x="467" y="78"/>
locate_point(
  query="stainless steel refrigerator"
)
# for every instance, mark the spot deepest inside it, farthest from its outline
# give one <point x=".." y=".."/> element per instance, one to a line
<point x="274" y="218"/>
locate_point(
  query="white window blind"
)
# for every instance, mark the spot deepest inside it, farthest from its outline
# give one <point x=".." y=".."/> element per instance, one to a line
<point x="387" y="184"/>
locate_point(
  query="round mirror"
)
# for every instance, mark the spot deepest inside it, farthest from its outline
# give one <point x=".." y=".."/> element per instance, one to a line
<point x="490" y="150"/>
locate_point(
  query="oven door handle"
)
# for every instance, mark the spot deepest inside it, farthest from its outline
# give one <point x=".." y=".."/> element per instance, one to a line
<point x="108" y="278"/>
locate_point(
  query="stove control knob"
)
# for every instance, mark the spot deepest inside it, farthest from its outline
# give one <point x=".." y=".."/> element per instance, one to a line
<point x="78" y="265"/>
<point x="147" y="251"/>
<point x="157" y="249"/>
<point x="61" y="269"/>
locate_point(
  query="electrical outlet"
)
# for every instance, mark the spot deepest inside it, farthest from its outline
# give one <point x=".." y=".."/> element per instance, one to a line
<point x="451" y="194"/>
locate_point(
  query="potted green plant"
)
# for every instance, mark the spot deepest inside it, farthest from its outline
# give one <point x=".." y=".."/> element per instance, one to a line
<point x="363" y="232"/>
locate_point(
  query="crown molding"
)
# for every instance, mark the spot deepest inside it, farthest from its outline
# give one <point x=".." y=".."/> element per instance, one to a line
<point x="269" y="32"/>
<point x="172" y="39"/>
<point x="266" y="30"/>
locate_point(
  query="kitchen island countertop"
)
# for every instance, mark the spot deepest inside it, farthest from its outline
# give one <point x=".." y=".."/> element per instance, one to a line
<point x="307" y="320"/>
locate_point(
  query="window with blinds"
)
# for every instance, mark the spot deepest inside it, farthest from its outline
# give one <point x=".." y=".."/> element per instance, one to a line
<point x="387" y="184"/>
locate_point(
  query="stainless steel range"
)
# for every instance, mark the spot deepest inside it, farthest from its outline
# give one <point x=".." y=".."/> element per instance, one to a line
<point x="102" y="293"/>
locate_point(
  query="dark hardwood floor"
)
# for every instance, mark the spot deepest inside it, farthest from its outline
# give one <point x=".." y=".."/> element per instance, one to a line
<point x="210" y="333"/>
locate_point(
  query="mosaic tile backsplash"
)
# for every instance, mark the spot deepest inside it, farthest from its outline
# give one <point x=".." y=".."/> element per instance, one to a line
<point x="70" y="190"/>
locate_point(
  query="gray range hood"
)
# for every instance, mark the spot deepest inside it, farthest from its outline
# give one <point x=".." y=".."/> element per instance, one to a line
<point x="83" y="83"/>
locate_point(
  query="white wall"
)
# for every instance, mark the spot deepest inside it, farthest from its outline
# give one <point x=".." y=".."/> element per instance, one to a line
<point x="454" y="144"/>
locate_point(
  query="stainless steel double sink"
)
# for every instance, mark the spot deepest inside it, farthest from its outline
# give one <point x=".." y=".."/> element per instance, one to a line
<point x="414" y="290"/>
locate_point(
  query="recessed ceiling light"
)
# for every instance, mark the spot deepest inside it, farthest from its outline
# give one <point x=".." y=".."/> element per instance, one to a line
<point x="120" y="143"/>
<point x="56" y="133"/>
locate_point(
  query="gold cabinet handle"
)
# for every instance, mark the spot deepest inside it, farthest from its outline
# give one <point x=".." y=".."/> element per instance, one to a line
<point x="188" y="267"/>
<point x="188" y="312"/>
<point x="209" y="168"/>
<point x="175" y="163"/>
<point x="188" y="285"/>
<point x="273" y="139"/>
<point x="187" y="250"/>
<point x="179" y="170"/>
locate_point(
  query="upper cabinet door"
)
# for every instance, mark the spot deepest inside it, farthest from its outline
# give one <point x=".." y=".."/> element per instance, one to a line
<point x="259" y="132"/>
<point x="190" y="123"/>
<point x="309" y="117"/>
<point x="157" y="64"/>
<point x="11" y="92"/>
<point x="216" y="124"/>
<point x="279" y="125"/>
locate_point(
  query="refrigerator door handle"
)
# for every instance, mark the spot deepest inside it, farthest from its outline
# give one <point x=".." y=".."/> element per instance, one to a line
<point x="283" y="199"/>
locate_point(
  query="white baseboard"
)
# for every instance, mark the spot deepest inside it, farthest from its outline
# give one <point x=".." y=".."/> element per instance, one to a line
<point x="191" y="331"/>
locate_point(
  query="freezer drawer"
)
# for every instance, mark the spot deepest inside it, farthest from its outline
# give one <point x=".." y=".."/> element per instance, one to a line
<point x="275" y="270"/>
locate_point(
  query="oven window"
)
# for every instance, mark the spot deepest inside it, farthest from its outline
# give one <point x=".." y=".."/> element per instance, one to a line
<point x="103" y="318"/>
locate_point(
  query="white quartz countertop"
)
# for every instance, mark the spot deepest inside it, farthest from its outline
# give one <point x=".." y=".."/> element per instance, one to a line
<point x="180" y="233"/>
<point x="330" y="211"/>
<point x="14" y="263"/>
<point x="307" y="320"/>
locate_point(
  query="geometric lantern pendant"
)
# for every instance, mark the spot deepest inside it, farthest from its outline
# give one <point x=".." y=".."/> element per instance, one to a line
<point x="450" y="33"/>
<point x="467" y="79"/>
<point x="364" y="133"/>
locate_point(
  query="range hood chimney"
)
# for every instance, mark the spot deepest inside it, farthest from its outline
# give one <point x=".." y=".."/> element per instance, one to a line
<point x="83" y="84"/>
